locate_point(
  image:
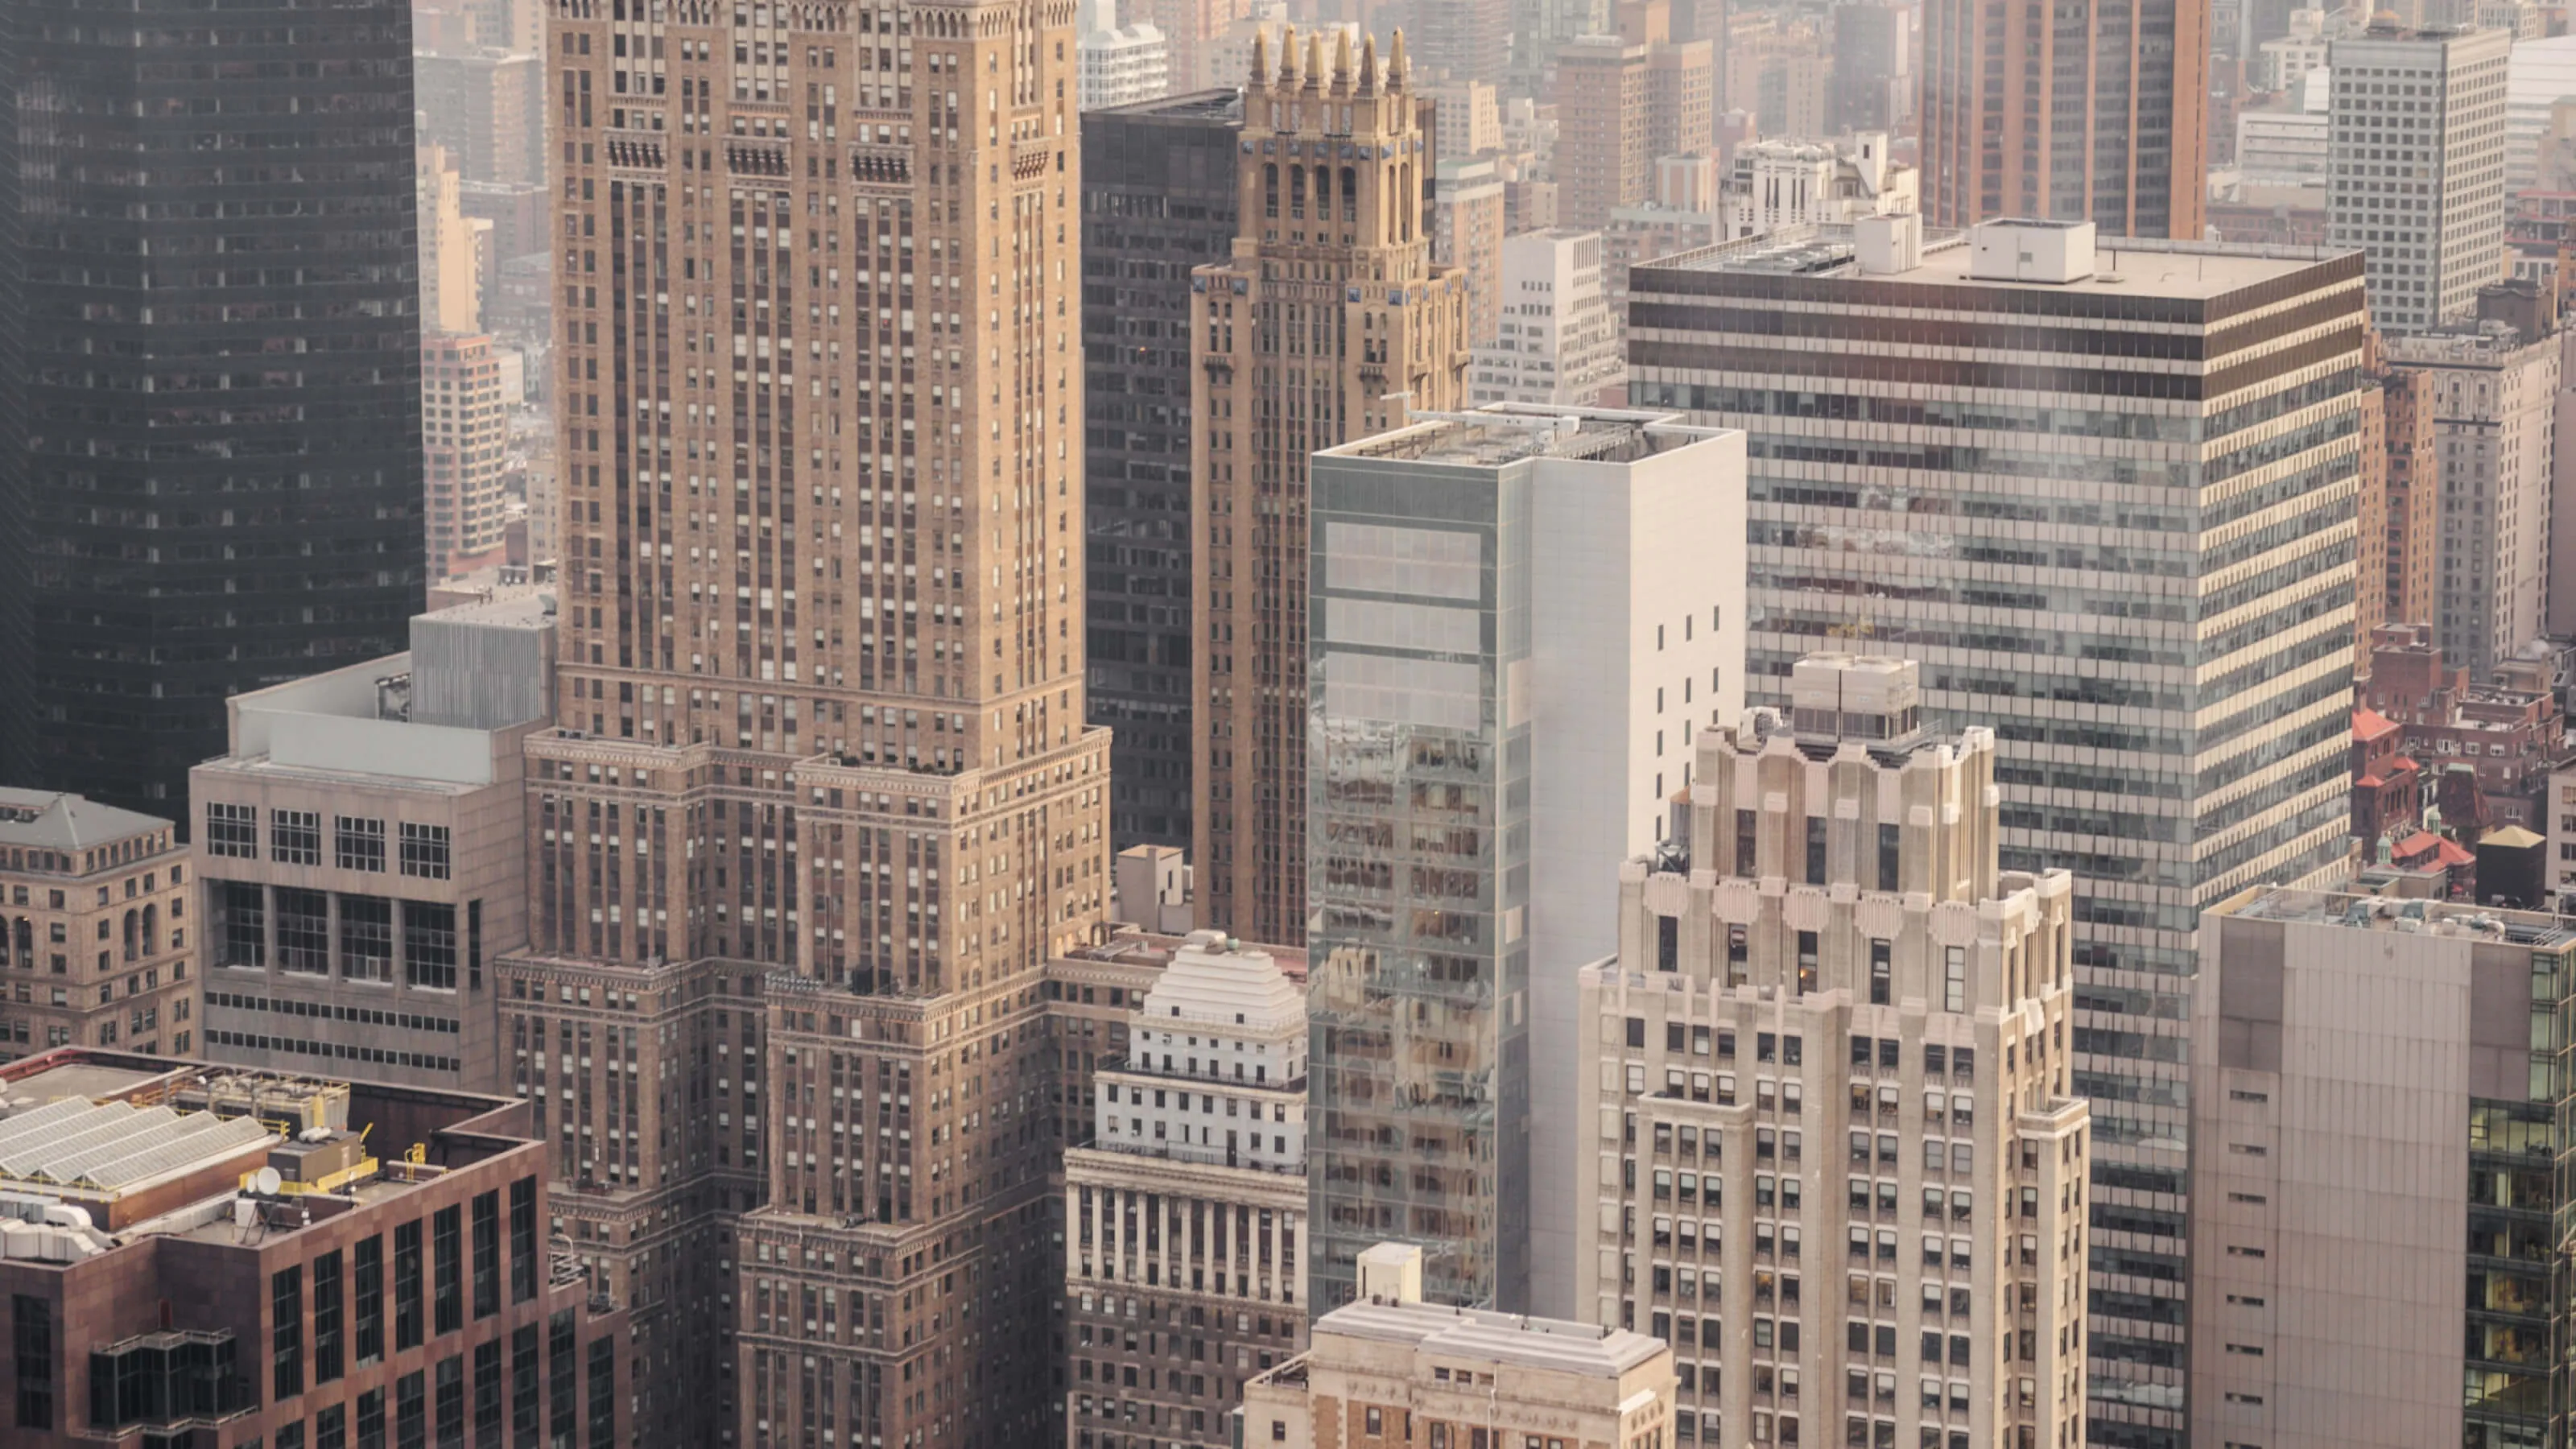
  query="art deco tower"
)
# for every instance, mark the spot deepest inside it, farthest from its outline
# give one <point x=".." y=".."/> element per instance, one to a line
<point x="821" y="801"/>
<point x="1328" y="323"/>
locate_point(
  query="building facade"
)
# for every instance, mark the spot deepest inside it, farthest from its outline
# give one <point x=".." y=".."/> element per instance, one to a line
<point x="1185" y="1209"/>
<point x="1159" y="198"/>
<point x="1557" y="341"/>
<point x="384" y="1278"/>
<point x="1391" y="1365"/>
<point x="2409" y="443"/>
<point x="1520" y="616"/>
<point x="273" y="525"/>
<point x="1329" y="322"/>
<point x="1624" y="98"/>
<point x="819" y="801"/>
<point x="2492" y="394"/>
<point x="1833" y="944"/>
<point x="2435" y="1034"/>
<point x="96" y="918"/>
<point x="362" y="853"/>
<point x="2187" y="717"/>
<point x="2417" y="131"/>
<point x="2074" y="113"/>
<point x="1123" y="64"/>
<point x="1467" y="233"/>
<point x="465" y="441"/>
<point x="1772" y="184"/>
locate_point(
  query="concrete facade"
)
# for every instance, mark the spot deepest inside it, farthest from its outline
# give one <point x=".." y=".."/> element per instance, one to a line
<point x="2417" y="130"/>
<point x="97" y="910"/>
<point x="1557" y="341"/>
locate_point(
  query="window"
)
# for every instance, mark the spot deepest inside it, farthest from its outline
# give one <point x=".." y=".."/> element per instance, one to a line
<point x="424" y="851"/>
<point x="487" y="1256"/>
<point x="1954" y="978"/>
<point x="366" y="938"/>
<point x="1815" y="850"/>
<point x="451" y="1402"/>
<point x="429" y="944"/>
<point x="358" y="844"/>
<point x="407" y="1285"/>
<point x="603" y="1393"/>
<point x="1806" y="962"/>
<point x="368" y="1268"/>
<point x="371" y="1419"/>
<point x="487" y="1392"/>
<point x="232" y="830"/>
<point x="411" y="1413"/>
<point x="286" y="1336"/>
<point x="1881" y="973"/>
<point x="241" y="924"/>
<point x="327" y="1363"/>
<point x="331" y="1428"/>
<point x="1888" y="857"/>
<point x="303" y="931"/>
<point x="523" y="1240"/>
<point x="31" y="1332"/>
<point x="524" y="1387"/>
<point x="563" y="1362"/>
<point x="295" y="837"/>
<point x="448" y="1293"/>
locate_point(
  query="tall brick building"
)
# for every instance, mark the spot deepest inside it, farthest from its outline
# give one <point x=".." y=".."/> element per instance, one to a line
<point x="1329" y="322"/>
<point x="820" y="802"/>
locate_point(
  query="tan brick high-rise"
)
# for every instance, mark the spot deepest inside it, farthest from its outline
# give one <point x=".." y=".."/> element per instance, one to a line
<point x="820" y="801"/>
<point x="1328" y="322"/>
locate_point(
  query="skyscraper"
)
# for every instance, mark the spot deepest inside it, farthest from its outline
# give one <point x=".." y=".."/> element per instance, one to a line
<point x="210" y="466"/>
<point x="1329" y="321"/>
<point x="2416" y="125"/>
<point x="1158" y="200"/>
<point x="1558" y="341"/>
<point x="1624" y="100"/>
<point x="1520" y="616"/>
<point x="2092" y="111"/>
<point x="1832" y="944"/>
<point x="820" y="799"/>
<point x="2169" y="696"/>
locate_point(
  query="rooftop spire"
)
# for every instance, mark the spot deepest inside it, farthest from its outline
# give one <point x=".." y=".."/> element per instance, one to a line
<point x="1368" y="66"/>
<point x="1260" y="57"/>
<point x="1288" y="55"/>
<point x="1342" y="59"/>
<point x="1315" y="77"/>
<point x="1395" y="62"/>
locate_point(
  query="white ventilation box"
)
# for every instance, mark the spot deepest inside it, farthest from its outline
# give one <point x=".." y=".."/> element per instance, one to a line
<point x="2019" y="249"/>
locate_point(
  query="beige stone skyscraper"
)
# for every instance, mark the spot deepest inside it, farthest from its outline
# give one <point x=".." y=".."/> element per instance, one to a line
<point x="1328" y="322"/>
<point x="820" y="800"/>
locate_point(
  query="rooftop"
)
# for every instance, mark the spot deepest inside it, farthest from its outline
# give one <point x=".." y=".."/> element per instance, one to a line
<point x="1551" y="1345"/>
<point x="1133" y="947"/>
<point x="1222" y="104"/>
<point x="2130" y="266"/>
<point x="51" y="820"/>
<point x="2410" y="917"/>
<point x="1505" y="433"/>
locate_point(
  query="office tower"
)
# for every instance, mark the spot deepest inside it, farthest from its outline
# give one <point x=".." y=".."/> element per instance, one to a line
<point x="451" y="246"/>
<point x="161" y="1291"/>
<point x="1775" y="184"/>
<point x="1185" y="1211"/>
<point x="1158" y="199"/>
<point x="1873" y="68"/>
<point x="363" y="856"/>
<point x="820" y="800"/>
<point x="2371" y="532"/>
<point x="1832" y="944"/>
<point x="465" y="440"/>
<point x="93" y="928"/>
<point x="1329" y="321"/>
<point x="272" y="525"/>
<point x="1191" y="30"/>
<point x="2492" y="393"/>
<point x="1463" y="40"/>
<point x="1391" y="1364"/>
<point x="1519" y="617"/>
<point x="1624" y="99"/>
<point x="2376" y="1081"/>
<point x="2414" y="485"/>
<point x="1776" y="71"/>
<point x="2417" y="127"/>
<point x="1121" y="64"/>
<point x="2081" y="112"/>
<point x="2191" y="730"/>
<point x="1557" y="343"/>
<point x="1467" y="120"/>
<point x="1467" y="234"/>
<point x="488" y="108"/>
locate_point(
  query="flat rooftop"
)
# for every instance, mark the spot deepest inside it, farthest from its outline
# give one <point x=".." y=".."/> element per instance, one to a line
<point x="1153" y="948"/>
<point x="1508" y="1339"/>
<point x="1505" y="433"/>
<point x="2125" y="266"/>
<point x="2391" y="913"/>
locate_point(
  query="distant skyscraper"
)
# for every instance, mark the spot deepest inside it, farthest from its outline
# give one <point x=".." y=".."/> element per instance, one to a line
<point x="210" y="461"/>
<point x="1329" y="321"/>
<point x="2417" y="129"/>
<point x="1121" y="65"/>
<point x="2079" y="112"/>
<point x="2169" y="696"/>
<point x="821" y="691"/>
<point x="1623" y="100"/>
<point x="1873" y="85"/>
<point x="1558" y="341"/>
<point x="1158" y="199"/>
<point x="1467" y="233"/>
<point x="1832" y="942"/>
<point x="465" y="428"/>
<point x="1520" y="616"/>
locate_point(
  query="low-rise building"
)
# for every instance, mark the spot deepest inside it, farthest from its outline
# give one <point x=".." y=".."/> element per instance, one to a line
<point x="1389" y="1368"/>
<point x="208" y="1256"/>
<point x="1772" y="184"/>
<point x="1185" y="1211"/>
<point x="363" y="850"/>
<point x="2509" y="733"/>
<point x="95" y="915"/>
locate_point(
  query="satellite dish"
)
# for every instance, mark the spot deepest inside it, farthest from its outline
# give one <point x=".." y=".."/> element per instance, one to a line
<point x="267" y="1182"/>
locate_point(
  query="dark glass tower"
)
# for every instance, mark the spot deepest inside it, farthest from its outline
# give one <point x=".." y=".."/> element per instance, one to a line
<point x="210" y="466"/>
<point x="1158" y="198"/>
